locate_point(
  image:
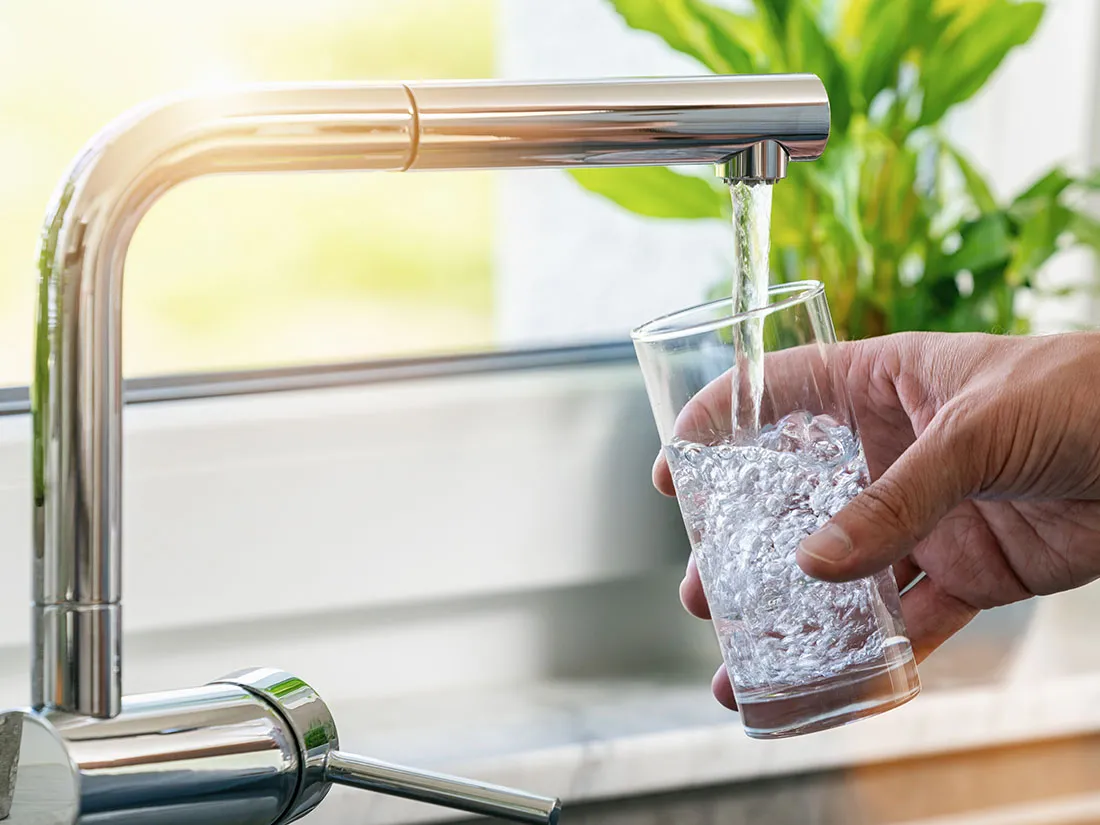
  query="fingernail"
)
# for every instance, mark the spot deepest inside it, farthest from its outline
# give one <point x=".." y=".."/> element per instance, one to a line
<point x="830" y="544"/>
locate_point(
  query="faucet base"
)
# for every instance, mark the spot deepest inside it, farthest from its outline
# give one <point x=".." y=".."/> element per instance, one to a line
<point x="216" y="755"/>
<point x="11" y="737"/>
<point x="38" y="782"/>
<point x="258" y="747"/>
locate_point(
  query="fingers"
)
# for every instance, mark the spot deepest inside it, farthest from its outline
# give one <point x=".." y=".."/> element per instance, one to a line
<point x="798" y="378"/>
<point x="691" y="593"/>
<point x="705" y="419"/>
<point x="885" y="522"/>
<point x="932" y="616"/>
<point x="794" y="379"/>
<point x="722" y="689"/>
<point x="662" y="476"/>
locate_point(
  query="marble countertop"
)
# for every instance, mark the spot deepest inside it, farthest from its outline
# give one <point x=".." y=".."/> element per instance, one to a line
<point x="1024" y="673"/>
<point x="591" y="741"/>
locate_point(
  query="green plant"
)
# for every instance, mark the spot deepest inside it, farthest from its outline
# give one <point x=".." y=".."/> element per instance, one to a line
<point x="904" y="231"/>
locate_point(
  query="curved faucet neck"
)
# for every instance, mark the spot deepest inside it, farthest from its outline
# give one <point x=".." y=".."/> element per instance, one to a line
<point x="77" y="393"/>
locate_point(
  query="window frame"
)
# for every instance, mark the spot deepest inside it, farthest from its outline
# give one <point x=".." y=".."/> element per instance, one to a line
<point x="200" y="385"/>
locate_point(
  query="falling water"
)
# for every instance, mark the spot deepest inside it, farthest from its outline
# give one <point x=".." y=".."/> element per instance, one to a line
<point x="752" y="216"/>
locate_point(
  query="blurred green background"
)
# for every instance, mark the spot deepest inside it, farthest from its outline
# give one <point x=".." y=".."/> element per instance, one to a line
<point x="250" y="271"/>
<point x="902" y="227"/>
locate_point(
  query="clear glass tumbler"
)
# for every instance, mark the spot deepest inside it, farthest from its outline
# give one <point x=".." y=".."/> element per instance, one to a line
<point x="755" y="473"/>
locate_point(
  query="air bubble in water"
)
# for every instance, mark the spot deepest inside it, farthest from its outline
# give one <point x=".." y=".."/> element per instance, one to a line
<point x="749" y="506"/>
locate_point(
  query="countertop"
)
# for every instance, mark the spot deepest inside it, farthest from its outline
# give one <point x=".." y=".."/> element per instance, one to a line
<point x="1026" y="673"/>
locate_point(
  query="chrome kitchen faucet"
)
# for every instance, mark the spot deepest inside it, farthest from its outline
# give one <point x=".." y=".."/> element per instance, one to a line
<point x="260" y="747"/>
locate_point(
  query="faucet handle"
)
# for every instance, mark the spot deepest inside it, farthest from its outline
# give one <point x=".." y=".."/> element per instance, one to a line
<point x="323" y="763"/>
<point x="440" y="789"/>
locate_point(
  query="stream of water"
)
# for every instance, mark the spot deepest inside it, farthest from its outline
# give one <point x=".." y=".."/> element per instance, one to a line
<point x="752" y="217"/>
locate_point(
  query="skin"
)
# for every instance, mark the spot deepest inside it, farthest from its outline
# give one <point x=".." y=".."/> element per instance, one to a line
<point x="985" y="457"/>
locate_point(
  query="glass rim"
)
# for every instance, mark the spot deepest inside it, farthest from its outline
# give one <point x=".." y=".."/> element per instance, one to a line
<point x="672" y="326"/>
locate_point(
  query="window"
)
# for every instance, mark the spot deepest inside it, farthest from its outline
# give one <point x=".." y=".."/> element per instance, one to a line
<point x="251" y="272"/>
<point x="262" y="271"/>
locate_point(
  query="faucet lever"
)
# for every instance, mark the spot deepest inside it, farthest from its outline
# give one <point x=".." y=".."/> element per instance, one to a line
<point x="310" y="723"/>
<point x="440" y="789"/>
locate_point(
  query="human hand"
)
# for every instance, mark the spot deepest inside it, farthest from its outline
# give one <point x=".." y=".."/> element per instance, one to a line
<point x="985" y="457"/>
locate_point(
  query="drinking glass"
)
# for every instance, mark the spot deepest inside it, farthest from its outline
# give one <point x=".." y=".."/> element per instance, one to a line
<point x="756" y="422"/>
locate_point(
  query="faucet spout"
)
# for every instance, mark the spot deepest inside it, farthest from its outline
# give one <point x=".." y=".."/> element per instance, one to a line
<point x="260" y="746"/>
<point x="77" y="392"/>
<point x="76" y="396"/>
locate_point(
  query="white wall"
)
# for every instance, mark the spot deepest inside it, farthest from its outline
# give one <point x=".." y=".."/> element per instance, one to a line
<point x="572" y="265"/>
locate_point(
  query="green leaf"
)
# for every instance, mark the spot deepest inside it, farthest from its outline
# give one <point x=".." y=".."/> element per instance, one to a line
<point x="743" y="41"/>
<point x="1040" y="196"/>
<point x="835" y="179"/>
<point x="1085" y="229"/>
<point x="1062" y="292"/>
<point x="828" y="14"/>
<point x="956" y="16"/>
<point x="991" y="280"/>
<point x="656" y="192"/>
<point x="976" y="186"/>
<point x="985" y="243"/>
<point x="776" y="12"/>
<point x="791" y="213"/>
<point x="977" y="38"/>
<point x="1038" y="241"/>
<point x="898" y="195"/>
<point x="810" y="51"/>
<point x="1091" y="181"/>
<point x="1050" y="185"/>
<point x="854" y="19"/>
<point x="724" y="42"/>
<point x="879" y="33"/>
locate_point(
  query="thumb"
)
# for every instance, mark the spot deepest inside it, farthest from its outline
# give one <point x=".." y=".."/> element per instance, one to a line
<point x="890" y="517"/>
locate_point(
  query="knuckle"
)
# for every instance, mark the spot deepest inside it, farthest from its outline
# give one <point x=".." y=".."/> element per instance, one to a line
<point x="887" y="504"/>
<point x="959" y="435"/>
